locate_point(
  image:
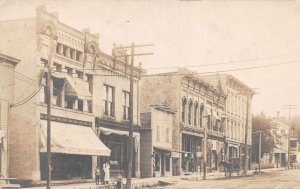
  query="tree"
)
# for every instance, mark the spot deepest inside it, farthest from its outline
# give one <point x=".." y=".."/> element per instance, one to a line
<point x="263" y="124"/>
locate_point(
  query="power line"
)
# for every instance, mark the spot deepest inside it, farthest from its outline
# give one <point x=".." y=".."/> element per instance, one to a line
<point x="208" y="72"/>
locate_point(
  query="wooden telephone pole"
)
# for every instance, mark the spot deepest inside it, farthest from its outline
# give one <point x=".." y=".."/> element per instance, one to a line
<point x="48" y="98"/>
<point x="130" y="113"/>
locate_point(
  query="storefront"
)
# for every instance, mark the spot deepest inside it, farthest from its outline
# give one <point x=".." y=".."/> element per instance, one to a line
<point x="72" y="150"/>
<point x="117" y="142"/>
<point x="162" y="162"/>
<point x="215" y="153"/>
<point x="190" y="161"/>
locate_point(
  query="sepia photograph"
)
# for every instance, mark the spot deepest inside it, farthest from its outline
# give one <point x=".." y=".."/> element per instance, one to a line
<point x="148" y="94"/>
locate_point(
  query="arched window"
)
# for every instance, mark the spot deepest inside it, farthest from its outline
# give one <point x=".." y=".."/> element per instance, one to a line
<point x="196" y="114"/>
<point x="201" y="115"/>
<point x="190" y="112"/>
<point x="183" y="109"/>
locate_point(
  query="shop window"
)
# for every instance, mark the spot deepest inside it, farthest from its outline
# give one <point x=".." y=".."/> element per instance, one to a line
<point x="183" y="110"/>
<point x="167" y="163"/>
<point x="190" y="113"/>
<point x="109" y="99"/>
<point x="125" y="105"/>
<point x="157" y="162"/>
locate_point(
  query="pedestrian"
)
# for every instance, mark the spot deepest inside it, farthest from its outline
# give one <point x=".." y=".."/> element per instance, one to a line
<point x="102" y="175"/>
<point x="106" y="172"/>
<point x="119" y="182"/>
<point x="97" y="175"/>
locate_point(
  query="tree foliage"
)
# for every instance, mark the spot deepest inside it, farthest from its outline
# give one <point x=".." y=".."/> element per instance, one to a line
<point x="263" y="124"/>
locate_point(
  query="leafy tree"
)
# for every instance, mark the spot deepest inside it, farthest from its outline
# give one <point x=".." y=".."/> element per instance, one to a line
<point x="263" y="124"/>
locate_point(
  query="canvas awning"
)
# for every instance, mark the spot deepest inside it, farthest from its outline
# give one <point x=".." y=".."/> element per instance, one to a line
<point x="78" y="87"/>
<point x="108" y="131"/>
<point x="72" y="139"/>
<point x="75" y="86"/>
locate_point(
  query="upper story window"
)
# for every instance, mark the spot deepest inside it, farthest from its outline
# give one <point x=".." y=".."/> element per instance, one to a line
<point x="195" y="114"/>
<point x="190" y="113"/>
<point x="79" y="74"/>
<point x="183" y="109"/>
<point x="158" y="133"/>
<point x="57" y="67"/>
<point x="167" y="135"/>
<point x="109" y="99"/>
<point x="69" y="71"/>
<point x="125" y="105"/>
<point x="201" y="115"/>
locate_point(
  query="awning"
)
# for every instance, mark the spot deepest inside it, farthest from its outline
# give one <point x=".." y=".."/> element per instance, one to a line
<point x="79" y="87"/>
<point x="75" y="86"/>
<point x="170" y="150"/>
<point x="72" y="139"/>
<point x="108" y="131"/>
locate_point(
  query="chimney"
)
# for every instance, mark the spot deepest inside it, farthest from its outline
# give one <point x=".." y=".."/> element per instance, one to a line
<point x="278" y="114"/>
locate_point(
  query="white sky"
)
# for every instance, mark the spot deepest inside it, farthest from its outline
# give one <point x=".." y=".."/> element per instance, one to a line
<point x="189" y="33"/>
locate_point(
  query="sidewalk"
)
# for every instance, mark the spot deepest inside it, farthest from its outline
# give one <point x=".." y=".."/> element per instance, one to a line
<point x="138" y="183"/>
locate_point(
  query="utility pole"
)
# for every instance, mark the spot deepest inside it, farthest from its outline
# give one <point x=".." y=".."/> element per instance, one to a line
<point x="205" y="151"/>
<point x="246" y="136"/>
<point x="290" y="107"/>
<point x="130" y="113"/>
<point x="49" y="91"/>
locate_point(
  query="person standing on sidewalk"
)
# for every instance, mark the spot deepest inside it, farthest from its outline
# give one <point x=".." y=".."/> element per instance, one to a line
<point x="106" y="172"/>
<point x="97" y="175"/>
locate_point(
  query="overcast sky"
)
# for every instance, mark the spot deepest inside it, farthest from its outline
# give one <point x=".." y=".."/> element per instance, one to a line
<point x="196" y="33"/>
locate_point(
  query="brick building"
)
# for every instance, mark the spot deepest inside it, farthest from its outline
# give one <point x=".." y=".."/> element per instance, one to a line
<point x="235" y="114"/>
<point x="156" y="141"/>
<point x="198" y="105"/>
<point x="7" y="81"/>
<point x="89" y="100"/>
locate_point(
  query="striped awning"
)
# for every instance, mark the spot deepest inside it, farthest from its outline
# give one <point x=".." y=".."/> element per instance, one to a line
<point x="72" y="139"/>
